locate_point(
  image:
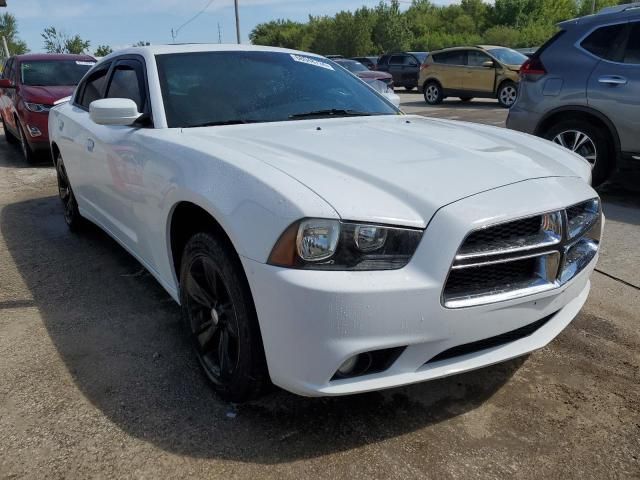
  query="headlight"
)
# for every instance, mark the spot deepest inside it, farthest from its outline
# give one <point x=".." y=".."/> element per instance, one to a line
<point x="37" y="107"/>
<point x="320" y="244"/>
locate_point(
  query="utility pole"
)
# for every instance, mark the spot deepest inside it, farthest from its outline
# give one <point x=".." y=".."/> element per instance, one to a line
<point x="593" y="6"/>
<point x="237" y="22"/>
<point x="219" y="34"/>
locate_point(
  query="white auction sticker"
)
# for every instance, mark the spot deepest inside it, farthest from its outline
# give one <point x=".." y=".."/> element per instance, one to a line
<point x="311" y="61"/>
<point x="80" y="62"/>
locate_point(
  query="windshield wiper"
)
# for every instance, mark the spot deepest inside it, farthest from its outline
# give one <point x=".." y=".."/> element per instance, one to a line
<point x="223" y="122"/>
<point x="332" y="112"/>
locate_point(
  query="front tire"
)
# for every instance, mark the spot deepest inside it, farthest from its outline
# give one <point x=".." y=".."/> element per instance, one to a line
<point x="507" y="94"/>
<point x="27" y="153"/>
<point x="9" y="137"/>
<point x="590" y="142"/>
<point x="220" y="318"/>
<point x="433" y="94"/>
<point x="72" y="215"/>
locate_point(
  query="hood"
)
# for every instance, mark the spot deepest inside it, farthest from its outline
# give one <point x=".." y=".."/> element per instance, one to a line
<point x="396" y="170"/>
<point x="46" y="95"/>
<point x="374" y="75"/>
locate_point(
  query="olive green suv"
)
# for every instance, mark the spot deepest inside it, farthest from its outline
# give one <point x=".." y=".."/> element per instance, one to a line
<point x="467" y="72"/>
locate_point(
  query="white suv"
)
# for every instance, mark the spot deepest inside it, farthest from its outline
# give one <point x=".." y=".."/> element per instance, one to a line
<point x="314" y="235"/>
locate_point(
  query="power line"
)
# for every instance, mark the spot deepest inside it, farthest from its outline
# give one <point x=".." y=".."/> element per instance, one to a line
<point x="174" y="33"/>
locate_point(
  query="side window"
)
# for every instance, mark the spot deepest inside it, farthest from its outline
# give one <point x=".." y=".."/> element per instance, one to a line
<point x="92" y="88"/>
<point x="605" y="42"/>
<point x="632" y="52"/>
<point x="458" y="57"/>
<point x="127" y="81"/>
<point x="12" y="71"/>
<point x="476" y="59"/>
<point x="410" y="59"/>
<point x="396" y="60"/>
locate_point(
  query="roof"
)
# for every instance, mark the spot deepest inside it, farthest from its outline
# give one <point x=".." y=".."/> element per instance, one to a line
<point x="610" y="14"/>
<point x="203" y="47"/>
<point x="53" y="56"/>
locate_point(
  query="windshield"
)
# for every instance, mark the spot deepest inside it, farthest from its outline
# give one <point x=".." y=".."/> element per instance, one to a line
<point x="508" y="56"/>
<point x="215" y="88"/>
<point x="352" y="66"/>
<point x="51" y="73"/>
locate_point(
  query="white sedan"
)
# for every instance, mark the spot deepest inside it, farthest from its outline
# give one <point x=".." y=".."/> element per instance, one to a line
<point x="315" y="236"/>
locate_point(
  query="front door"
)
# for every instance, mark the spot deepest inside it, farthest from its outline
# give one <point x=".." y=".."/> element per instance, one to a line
<point x="479" y="77"/>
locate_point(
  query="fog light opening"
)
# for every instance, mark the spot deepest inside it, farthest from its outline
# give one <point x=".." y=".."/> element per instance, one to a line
<point x="368" y="362"/>
<point x="34" y="131"/>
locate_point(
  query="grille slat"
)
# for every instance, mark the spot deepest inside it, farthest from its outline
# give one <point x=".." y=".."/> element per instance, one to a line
<point x="523" y="257"/>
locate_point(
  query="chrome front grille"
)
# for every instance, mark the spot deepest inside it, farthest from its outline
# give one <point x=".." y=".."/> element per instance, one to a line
<point x="523" y="257"/>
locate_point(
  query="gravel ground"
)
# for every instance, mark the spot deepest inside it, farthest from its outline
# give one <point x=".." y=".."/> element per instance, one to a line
<point x="97" y="380"/>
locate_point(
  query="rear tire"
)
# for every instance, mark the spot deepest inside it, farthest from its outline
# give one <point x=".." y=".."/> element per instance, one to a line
<point x="9" y="137"/>
<point x="466" y="99"/>
<point x="409" y="88"/>
<point x="589" y="141"/>
<point x="72" y="216"/>
<point x="220" y="318"/>
<point x="433" y="94"/>
<point x="507" y="94"/>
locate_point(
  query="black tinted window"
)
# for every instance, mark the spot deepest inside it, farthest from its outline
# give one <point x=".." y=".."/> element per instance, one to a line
<point x="7" y="68"/>
<point x="397" y="60"/>
<point x="451" y="58"/>
<point x="94" y="87"/>
<point x="126" y="83"/>
<point x="632" y="52"/>
<point x="49" y="73"/>
<point x="605" y="41"/>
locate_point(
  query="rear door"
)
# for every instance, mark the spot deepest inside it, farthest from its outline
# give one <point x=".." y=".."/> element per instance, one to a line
<point x="451" y="69"/>
<point x="614" y="85"/>
<point x="396" y="68"/>
<point x="478" y="77"/>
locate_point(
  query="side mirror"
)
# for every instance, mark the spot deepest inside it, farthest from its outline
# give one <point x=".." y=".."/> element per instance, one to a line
<point x="114" y="111"/>
<point x="6" y="83"/>
<point x="489" y="64"/>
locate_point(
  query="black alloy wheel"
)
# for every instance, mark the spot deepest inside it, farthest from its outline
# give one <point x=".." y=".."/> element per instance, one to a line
<point x="220" y="318"/>
<point x="27" y="153"/>
<point x="65" y="192"/>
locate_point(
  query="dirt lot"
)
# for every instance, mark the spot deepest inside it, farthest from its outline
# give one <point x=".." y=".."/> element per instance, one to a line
<point x="97" y="380"/>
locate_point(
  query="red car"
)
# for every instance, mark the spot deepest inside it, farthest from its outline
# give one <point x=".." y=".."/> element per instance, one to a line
<point x="359" y="70"/>
<point x="30" y="85"/>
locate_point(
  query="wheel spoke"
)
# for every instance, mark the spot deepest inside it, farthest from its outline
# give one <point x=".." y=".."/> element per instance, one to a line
<point x="198" y="292"/>
<point x="223" y="354"/>
<point x="207" y="339"/>
<point x="579" y="141"/>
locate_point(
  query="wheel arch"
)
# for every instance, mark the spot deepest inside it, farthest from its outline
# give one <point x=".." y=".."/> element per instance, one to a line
<point x="584" y="113"/>
<point x="187" y="218"/>
<point x="434" y="80"/>
<point x="55" y="151"/>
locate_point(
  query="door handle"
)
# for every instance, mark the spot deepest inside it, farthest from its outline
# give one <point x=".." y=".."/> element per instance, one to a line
<point x="90" y="145"/>
<point x="612" y="80"/>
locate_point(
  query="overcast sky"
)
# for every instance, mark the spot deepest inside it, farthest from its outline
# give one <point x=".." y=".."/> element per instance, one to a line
<point x="122" y="22"/>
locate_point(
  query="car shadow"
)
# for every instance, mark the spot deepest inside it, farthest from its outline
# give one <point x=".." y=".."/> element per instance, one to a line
<point x="621" y="198"/>
<point x="120" y="337"/>
<point x="12" y="156"/>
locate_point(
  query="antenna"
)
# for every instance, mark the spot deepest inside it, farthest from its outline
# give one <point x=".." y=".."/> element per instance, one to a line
<point x="219" y="33"/>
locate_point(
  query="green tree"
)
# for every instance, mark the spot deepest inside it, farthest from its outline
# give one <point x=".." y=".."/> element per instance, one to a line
<point x="56" y="41"/>
<point x="391" y="29"/>
<point x="9" y="29"/>
<point x="103" y="51"/>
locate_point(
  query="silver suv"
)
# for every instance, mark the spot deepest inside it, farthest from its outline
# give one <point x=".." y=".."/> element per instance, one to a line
<point x="582" y="90"/>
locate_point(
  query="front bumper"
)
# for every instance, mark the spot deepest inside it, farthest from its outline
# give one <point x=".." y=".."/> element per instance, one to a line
<point x="312" y="321"/>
